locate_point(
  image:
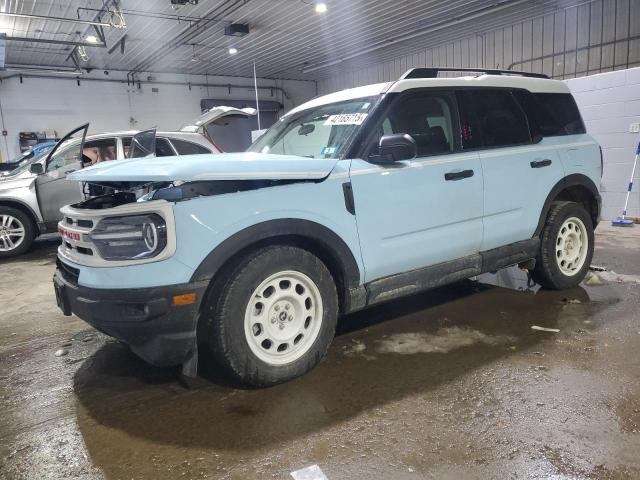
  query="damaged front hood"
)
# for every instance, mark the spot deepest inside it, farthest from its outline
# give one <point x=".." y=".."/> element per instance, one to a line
<point x="189" y="168"/>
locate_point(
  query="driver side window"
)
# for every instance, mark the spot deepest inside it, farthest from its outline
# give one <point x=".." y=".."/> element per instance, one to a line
<point x="65" y="157"/>
<point x="429" y="118"/>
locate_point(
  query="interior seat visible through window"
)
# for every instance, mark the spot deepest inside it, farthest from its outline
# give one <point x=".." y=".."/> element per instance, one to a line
<point x="428" y="118"/>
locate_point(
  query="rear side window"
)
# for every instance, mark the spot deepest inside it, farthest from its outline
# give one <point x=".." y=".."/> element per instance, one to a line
<point x="552" y="114"/>
<point x="500" y="118"/>
<point x="187" y="148"/>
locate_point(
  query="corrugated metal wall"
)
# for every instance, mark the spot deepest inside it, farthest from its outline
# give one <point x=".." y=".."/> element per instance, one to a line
<point x="593" y="37"/>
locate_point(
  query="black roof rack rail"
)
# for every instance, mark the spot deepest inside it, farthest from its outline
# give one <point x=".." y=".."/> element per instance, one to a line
<point x="433" y="72"/>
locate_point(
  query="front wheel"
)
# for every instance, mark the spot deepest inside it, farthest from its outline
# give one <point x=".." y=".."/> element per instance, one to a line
<point x="17" y="232"/>
<point x="566" y="246"/>
<point x="275" y="317"/>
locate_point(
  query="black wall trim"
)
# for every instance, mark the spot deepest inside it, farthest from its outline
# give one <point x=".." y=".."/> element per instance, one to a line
<point x="305" y="229"/>
<point x="572" y="180"/>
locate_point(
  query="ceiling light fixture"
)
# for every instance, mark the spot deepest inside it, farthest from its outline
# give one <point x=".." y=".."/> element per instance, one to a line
<point x="321" y="7"/>
<point x="91" y="39"/>
<point x="233" y="50"/>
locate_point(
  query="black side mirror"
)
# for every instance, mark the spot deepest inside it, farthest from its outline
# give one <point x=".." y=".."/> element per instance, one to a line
<point x="396" y="147"/>
<point x="36" y="168"/>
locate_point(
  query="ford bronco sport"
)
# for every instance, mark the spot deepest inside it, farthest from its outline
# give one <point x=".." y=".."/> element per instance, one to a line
<point x="352" y="199"/>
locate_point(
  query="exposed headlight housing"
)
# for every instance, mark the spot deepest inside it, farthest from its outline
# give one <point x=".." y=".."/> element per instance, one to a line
<point x="130" y="237"/>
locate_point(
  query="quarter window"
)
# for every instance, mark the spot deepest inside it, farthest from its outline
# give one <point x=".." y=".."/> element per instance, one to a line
<point x="553" y="114"/>
<point x="501" y="119"/>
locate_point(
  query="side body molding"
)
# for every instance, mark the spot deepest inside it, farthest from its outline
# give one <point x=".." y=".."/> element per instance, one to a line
<point x="574" y="180"/>
<point x="333" y="250"/>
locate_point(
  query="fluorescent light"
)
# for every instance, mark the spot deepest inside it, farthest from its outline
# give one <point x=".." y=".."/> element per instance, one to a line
<point x="321" y="7"/>
<point x="91" y="39"/>
<point x="233" y="50"/>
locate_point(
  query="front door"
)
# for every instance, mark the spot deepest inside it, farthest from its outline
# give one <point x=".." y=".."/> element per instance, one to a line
<point x="417" y="213"/>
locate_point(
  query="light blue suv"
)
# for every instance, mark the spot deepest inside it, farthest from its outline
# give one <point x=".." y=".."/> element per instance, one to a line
<point x="352" y="199"/>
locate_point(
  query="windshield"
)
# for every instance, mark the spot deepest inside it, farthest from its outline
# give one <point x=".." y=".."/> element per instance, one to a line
<point x="321" y="132"/>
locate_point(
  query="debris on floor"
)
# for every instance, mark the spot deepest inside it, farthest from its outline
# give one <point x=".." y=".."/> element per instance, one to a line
<point x="443" y="341"/>
<point x="357" y="346"/>
<point x="601" y="277"/>
<point x="61" y="352"/>
<point x="596" y="268"/>
<point x="309" y="473"/>
<point x="544" y="329"/>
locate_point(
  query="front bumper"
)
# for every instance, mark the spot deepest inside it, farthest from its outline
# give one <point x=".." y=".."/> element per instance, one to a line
<point x="146" y="319"/>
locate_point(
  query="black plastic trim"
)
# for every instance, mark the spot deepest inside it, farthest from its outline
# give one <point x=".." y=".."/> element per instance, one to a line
<point x="540" y="163"/>
<point x="349" y="201"/>
<point x="433" y="72"/>
<point x="286" y="227"/>
<point x="144" y="318"/>
<point x="419" y="280"/>
<point x="576" y="179"/>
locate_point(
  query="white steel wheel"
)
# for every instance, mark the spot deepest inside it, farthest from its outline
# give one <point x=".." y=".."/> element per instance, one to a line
<point x="572" y="245"/>
<point x="283" y="317"/>
<point x="12" y="232"/>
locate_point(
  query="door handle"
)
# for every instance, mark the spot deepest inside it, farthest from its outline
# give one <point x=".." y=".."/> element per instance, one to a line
<point x="540" y="163"/>
<point x="452" y="176"/>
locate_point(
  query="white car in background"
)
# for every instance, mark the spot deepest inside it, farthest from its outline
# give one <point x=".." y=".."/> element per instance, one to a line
<point x="31" y="196"/>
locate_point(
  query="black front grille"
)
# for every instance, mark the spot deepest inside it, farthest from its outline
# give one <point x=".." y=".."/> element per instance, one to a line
<point x="70" y="274"/>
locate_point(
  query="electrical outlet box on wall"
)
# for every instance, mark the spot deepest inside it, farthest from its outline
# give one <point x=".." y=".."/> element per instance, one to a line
<point x="634" y="128"/>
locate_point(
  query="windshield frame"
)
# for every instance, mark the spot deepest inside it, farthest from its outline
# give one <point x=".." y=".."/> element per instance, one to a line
<point x="284" y="127"/>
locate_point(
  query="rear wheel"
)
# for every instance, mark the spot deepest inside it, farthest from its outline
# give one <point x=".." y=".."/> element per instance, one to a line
<point x="566" y="246"/>
<point x="274" y="318"/>
<point x="17" y="232"/>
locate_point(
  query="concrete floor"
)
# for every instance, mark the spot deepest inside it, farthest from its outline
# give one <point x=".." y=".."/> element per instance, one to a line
<point x="450" y="384"/>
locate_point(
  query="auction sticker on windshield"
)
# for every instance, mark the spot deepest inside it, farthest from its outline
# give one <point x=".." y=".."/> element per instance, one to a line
<point x="346" y="119"/>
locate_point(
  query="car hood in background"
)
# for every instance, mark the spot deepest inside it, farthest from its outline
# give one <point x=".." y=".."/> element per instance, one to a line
<point x="190" y="168"/>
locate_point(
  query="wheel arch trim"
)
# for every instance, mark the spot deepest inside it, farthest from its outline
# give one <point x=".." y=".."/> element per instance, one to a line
<point x="573" y="180"/>
<point x="23" y="206"/>
<point x="331" y="242"/>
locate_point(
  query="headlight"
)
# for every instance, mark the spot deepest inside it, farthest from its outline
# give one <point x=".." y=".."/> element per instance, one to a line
<point x="130" y="238"/>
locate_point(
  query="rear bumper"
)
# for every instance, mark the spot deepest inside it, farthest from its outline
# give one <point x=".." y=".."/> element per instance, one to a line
<point x="145" y="318"/>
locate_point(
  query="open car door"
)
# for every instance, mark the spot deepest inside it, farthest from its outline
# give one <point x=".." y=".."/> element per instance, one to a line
<point x="143" y="144"/>
<point x="52" y="187"/>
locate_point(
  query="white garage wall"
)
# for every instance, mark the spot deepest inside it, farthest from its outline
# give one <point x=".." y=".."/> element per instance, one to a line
<point x="609" y="103"/>
<point x="60" y="104"/>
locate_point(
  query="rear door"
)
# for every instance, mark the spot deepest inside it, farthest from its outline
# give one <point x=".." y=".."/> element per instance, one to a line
<point x="417" y="213"/>
<point x="519" y="167"/>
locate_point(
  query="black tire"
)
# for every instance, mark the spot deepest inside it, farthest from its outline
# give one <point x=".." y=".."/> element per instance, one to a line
<point x="547" y="271"/>
<point x="224" y="315"/>
<point x="29" y="230"/>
